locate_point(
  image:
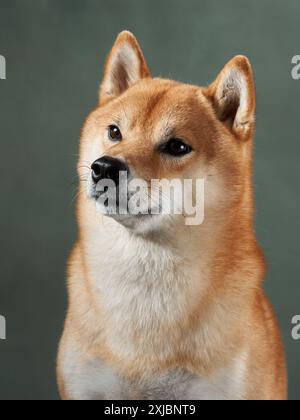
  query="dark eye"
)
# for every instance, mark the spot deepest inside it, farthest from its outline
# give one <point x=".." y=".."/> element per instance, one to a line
<point x="176" y="148"/>
<point x="114" y="133"/>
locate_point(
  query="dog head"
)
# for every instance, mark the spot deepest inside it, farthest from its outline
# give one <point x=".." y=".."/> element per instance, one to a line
<point x="151" y="129"/>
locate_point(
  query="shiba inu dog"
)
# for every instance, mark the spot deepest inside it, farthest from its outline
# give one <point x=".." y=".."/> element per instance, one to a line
<point x="159" y="309"/>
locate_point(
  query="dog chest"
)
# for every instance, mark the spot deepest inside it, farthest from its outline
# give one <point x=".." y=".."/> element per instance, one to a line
<point x="95" y="380"/>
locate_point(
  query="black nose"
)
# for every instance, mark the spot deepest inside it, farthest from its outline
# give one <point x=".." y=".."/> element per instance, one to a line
<point x="108" y="168"/>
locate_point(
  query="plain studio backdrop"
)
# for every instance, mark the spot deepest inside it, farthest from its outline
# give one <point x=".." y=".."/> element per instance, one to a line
<point x="55" y="51"/>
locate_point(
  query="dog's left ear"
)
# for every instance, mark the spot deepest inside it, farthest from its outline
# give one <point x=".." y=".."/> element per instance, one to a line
<point x="125" y="66"/>
<point x="233" y="97"/>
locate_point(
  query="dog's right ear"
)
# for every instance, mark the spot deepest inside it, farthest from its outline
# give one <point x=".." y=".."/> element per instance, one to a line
<point x="125" y="66"/>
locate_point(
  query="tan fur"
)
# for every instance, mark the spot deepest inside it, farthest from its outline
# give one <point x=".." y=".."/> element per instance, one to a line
<point x="223" y="312"/>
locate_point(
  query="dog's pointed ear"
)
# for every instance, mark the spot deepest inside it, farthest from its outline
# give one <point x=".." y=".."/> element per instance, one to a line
<point x="233" y="97"/>
<point x="125" y="66"/>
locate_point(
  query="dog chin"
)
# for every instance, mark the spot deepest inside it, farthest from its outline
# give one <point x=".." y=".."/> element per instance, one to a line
<point x="141" y="223"/>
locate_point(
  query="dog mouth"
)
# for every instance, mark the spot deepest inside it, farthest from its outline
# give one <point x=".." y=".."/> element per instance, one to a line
<point x="119" y="205"/>
<point x="138" y="200"/>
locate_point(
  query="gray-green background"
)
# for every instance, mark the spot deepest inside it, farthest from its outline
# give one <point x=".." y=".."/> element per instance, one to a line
<point x="55" y="50"/>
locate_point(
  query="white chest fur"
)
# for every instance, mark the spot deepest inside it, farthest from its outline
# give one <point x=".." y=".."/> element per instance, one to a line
<point x="94" y="380"/>
<point x="142" y="289"/>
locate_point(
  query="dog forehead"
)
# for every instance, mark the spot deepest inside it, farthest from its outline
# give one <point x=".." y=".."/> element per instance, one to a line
<point x="161" y="104"/>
